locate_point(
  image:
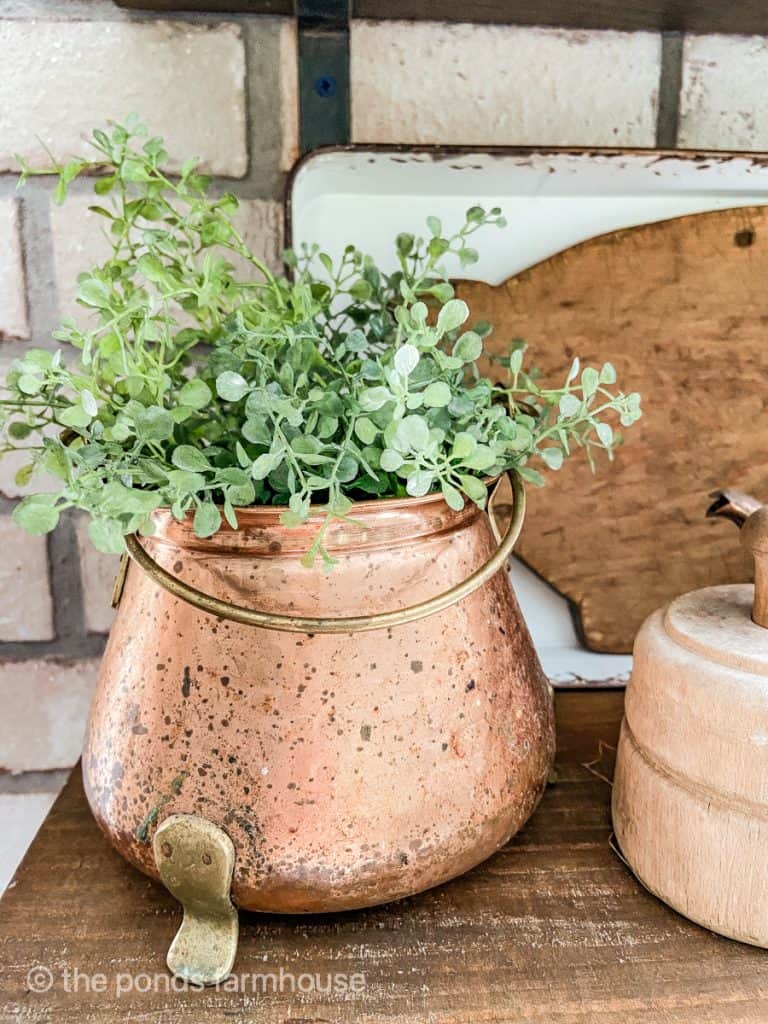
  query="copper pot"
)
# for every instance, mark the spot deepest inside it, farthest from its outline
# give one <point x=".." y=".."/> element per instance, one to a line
<point x="348" y="768"/>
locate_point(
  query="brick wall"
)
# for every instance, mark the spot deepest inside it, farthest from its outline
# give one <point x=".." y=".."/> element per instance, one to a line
<point x="226" y="89"/>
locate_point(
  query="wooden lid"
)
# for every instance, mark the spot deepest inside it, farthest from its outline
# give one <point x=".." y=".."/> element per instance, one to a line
<point x="717" y="623"/>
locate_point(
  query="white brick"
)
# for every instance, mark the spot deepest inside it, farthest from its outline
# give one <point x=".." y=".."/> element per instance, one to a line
<point x="78" y="242"/>
<point x="97" y="574"/>
<point x="61" y="79"/>
<point x="13" y="299"/>
<point x="45" y="705"/>
<point x="26" y="609"/>
<point x="432" y="82"/>
<point x="724" y="96"/>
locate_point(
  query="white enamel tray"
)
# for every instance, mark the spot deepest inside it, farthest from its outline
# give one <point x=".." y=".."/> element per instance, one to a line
<point x="552" y="201"/>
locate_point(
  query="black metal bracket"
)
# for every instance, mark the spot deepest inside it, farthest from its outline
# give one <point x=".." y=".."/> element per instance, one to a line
<point x="323" y="73"/>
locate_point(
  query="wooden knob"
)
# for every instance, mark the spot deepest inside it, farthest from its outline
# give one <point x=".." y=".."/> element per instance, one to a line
<point x="754" y="537"/>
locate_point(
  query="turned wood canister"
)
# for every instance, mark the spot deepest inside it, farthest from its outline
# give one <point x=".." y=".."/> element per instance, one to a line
<point x="690" y="794"/>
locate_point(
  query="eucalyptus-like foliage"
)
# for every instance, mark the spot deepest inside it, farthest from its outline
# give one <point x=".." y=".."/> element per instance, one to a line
<point x="207" y="383"/>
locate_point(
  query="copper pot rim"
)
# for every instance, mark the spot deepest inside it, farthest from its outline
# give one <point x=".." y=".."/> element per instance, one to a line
<point x="426" y="516"/>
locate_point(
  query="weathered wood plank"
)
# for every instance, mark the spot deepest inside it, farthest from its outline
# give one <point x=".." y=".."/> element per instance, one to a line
<point x="746" y="16"/>
<point x="552" y="930"/>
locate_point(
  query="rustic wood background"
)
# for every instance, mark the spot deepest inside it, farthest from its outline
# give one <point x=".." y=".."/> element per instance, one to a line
<point x="681" y="309"/>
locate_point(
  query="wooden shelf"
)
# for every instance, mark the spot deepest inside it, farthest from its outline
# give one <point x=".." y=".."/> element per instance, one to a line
<point x="748" y="17"/>
<point x="552" y="930"/>
<point x="743" y="16"/>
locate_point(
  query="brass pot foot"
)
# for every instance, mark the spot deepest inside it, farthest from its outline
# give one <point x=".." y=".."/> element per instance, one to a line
<point x="195" y="859"/>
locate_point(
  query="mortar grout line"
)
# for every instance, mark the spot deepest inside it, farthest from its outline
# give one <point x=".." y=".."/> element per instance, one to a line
<point x="670" y="84"/>
<point x="91" y="645"/>
<point x="37" y="241"/>
<point x="65" y="580"/>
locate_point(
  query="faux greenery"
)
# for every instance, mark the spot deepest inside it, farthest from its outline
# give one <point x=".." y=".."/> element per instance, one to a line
<point x="207" y="383"/>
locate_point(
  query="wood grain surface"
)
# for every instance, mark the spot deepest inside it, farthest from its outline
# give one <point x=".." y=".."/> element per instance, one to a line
<point x="681" y="309"/>
<point x="746" y="16"/>
<point x="552" y="930"/>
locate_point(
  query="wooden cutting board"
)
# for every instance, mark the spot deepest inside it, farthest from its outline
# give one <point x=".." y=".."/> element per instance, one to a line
<point x="681" y="309"/>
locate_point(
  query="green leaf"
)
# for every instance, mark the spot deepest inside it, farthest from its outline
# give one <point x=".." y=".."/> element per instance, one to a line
<point x="241" y="495"/>
<point x="570" y="405"/>
<point x="589" y="381"/>
<point x="232" y="387"/>
<point x="94" y="293"/>
<point x="102" y="186"/>
<point x="474" y="489"/>
<point x="452" y="496"/>
<point x="437" y="248"/>
<point x="419" y="483"/>
<point x="372" y="399"/>
<point x="189" y="458"/>
<point x="406" y="360"/>
<point x="411" y="435"/>
<point x="153" y="268"/>
<point x="29" y="384"/>
<point x="107" y="536"/>
<point x="257" y="431"/>
<point x="195" y="393"/>
<point x="265" y="464"/>
<point x="184" y="482"/>
<point x="404" y="243"/>
<point x="482" y="458"/>
<point x="347" y="469"/>
<point x="452" y="315"/>
<point x="469" y="347"/>
<point x="75" y="416"/>
<point x="88" y="402"/>
<point x="434" y="225"/>
<point x="390" y="460"/>
<point x="443" y="291"/>
<point x="154" y="424"/>
<point x="437" y="395"/>
<point x="553" y="457"/>
<point x="234" y="475"/>
<point x="361" y="290"/>
<point x="463" y="445"/>
<point x="18" y="430"/>
<point x="604" y="432"/>
<point x="36" y="514"/>
<point x="531" y="476"/>
<point x="207" y="520"/>
<point x="366" y="430"/>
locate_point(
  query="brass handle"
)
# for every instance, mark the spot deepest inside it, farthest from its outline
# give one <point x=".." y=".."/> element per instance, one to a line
<point x="751" y="516"/>
<point x="754" y="537"/>
<point x="354" y="624"/>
